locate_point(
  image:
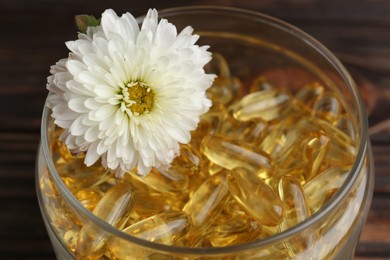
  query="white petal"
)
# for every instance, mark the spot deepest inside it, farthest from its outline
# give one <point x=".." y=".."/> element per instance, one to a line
<point x="77" y="88"/>
<point x="87" y="77"/>
<point x="77" y="105"/>
<point x="102" y="112"/>
<point x="92" y="156"/>
<point x="101" y="148"/>
<point x="63" y="112"/>
<point x="92" y="104"/>
<point x="60" y="79"/>
<point x="103" y="126"/>
<point x="78" y="128"/>
<point x="132" y="26"/>
<point x="91" y="135"/>
<point x="142" y="168"/>
<point x="150" y="21"/>
<point x="104" y="91"/>
<point x="112" y="160"/>
<point x="75" y="67"/>
<point x="108" y="21"/>
<point x="185" y="38"/>
<point x="124" y="30"/>
<point x="165" y="34"/>
<point x="179" y="134"/>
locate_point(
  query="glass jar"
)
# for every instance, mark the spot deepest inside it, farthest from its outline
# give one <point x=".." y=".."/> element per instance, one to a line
<point x="253" y="44"/>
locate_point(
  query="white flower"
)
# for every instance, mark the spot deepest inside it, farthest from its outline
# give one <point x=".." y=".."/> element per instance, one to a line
<point x="128" y="95"/>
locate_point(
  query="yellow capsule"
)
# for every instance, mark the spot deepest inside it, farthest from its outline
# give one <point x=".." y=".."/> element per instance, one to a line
<point x="281" y="136"/>
<point x="231" y="210"/>
<point x="47" y="186"/>
<point x="342" y="150"/>
<point x="291" y="193"/>
<point x="345" y="124"/>
<point x="221" y="91"/>
<point x="228" y="127"/>
<point x="315" y="149"/>
<point x="231" y="154"/>
<point x="268" y="231"/>
<point x="234" y="231"/>
<point x="328" y="107"/>
<point x="218" y="66"/>
<point x="70" y="239"/>
<point x="214" y="168"/>
<point x="259" y="84"/>
<point x="274" y="251"/>
<point x="259" y="130"/>
<point x="258" y="199"/>
<point x="237" y="89"/>
<point x="107" y="182"/>
<point x="196" y="180"/>
<point x="188" y="162"/>
<point x="195" y="239"/>
<point x="298" y="173"/>
<point x="59" y="147"/>
<point x="307" y="96"/>
<point x="322" y="187"/>
<point x="88" y="198"/>
<point x="150" y="202"/>
<point x="251" y="131"/>
<point x="231" y="86"/>
<point x="267" y="105"/>
<point x="76" y="175"/>
<point x="209" y="124"/>
<point x="234" y="209"/>
<point x="170" y="181"/>
<point x="208" y="201"/>
<point x="113" y="208"/>
<point x="62" y="217"/>
<point x="164" y="228"/>
<point x="309" y="152"/>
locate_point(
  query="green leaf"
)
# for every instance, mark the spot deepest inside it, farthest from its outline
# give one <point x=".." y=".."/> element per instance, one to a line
<point x="83" y="21"/>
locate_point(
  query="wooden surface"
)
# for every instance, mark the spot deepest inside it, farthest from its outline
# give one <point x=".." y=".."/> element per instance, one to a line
<point x="32" y="36"/>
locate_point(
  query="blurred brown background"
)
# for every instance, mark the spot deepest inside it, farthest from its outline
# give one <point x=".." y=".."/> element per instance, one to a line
<point x="32" y="36"/>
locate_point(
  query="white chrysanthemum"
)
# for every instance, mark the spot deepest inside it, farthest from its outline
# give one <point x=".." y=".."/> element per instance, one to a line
<point x="127" y="95"/>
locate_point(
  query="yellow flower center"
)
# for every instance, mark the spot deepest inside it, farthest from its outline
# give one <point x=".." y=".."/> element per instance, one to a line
<point x="142" y="96"/>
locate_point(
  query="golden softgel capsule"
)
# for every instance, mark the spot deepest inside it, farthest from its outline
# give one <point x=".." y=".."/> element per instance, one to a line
<point x="208" y="200"/>
<point x="164" y="228"/>
<point x="165" y="180"/>
<point x="308" y="152"/>
<point x="234" y="231"/>
<point x="232" y="154"/>
<point x="259" y="84"/>
<point x="76" y="175"/>
<point x="328" y="107"/>
<point x="251" y="131"/>
<point x="292" y="195"/>
<point x="89" y="198"/>
<point x="266" y="104"/>
<point x="225" y="87"/>
<point x="259" y="200"/>
<point x="307" y="96"/>
<point x="113" y="208"/>
<point x="319" y="189"/>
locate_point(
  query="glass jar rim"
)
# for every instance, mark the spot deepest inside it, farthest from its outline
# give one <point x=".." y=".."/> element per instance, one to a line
<point x="321" y="214"/>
